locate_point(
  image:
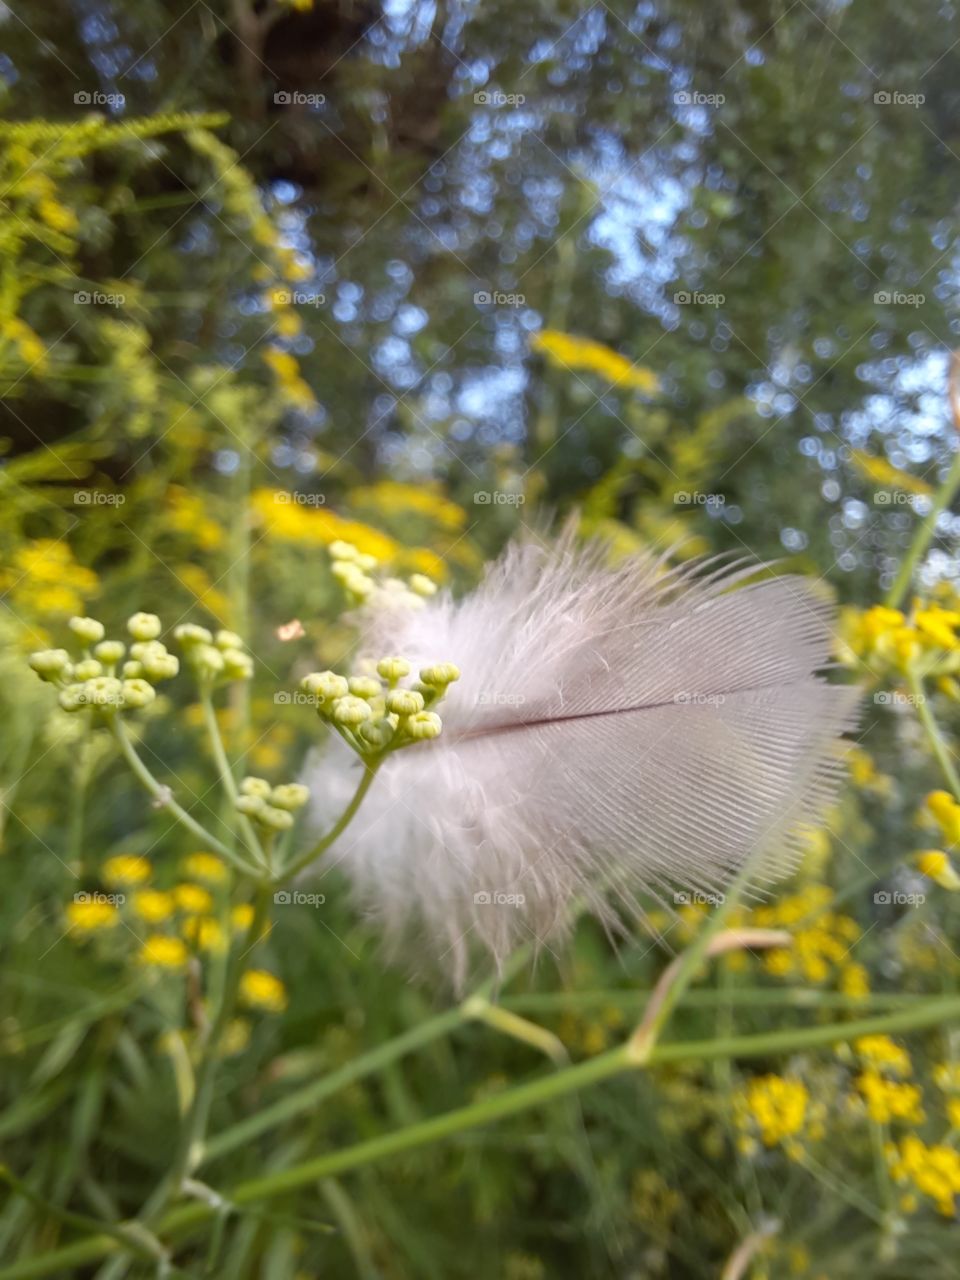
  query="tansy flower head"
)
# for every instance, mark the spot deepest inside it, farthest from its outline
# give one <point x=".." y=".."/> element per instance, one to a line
<point x="261" y="990"/>
<point x="935" y="864"/>
<point x="89" y="914"/>
<point x="162" y="952"/>
<point x="192" y="899"/>
<point x="125" y="869"/>
<point x="204" y="866"/>
<point x="153" y="905"/>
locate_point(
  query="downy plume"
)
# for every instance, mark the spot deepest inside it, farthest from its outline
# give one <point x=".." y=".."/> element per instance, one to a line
<point x="616" y="732"/>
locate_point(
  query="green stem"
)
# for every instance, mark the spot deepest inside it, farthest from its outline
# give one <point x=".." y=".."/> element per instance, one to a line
<point x="749" y="997"/>
<point x="225" y="770"/>
<point x="297" y="865"/>
<point x="189" y="1152"/>
<point x="166" y="801"/>
<point x="935" y="737"/>
<point x="533" y="1094"/>
<point x="924" y="535"/>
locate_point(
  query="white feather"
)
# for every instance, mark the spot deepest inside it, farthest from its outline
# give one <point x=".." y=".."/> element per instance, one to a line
<point x="615" y="733"/>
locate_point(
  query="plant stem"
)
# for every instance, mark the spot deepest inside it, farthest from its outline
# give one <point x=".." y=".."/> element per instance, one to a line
<point x="189" y="1152"/>
<point x="166" y="801"/>
<point x="533" y="1094"/>
<point x="934" y="736"/>
<point x="225" y="770"/>
<point x="297" y="865"/>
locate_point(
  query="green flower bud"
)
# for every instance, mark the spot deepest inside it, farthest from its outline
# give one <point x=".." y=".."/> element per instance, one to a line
<point x="109" y="651"/>
<point x="290" y="795"/>
<point x="352" y="578"/>
<point x="188" y="633"/>
<point x="440" y="674"/>
<point x="424" y="726"/>
<point x="132" y="670"/>
<point x="229" y="640"/>
<point x="105" y="692"/>
<point x="89" y="630"/>
<point x="326" y="686"/>
<point x="365" y="687"/>
<point x="157" y="663"/>
<point x="144" y="626"/>
<point x="376" y="733"/>
<point x="252" y="806"/>
<point x="275" y="819"/>
<point x="237" y="665"/>
<point x="350" y="711"/>
<point x="393" y="669"/>
<point x="137" y="693"/>
<point x="366" y="562"/>
<point x="421" y="585"/>
<point x="49" y="663"/>
<point x="404" y="702"/>
<point x="72" y="698"/>
<point x="88" y="669"/>
<point x="251" y="786"/>
<point x="206" y="661"/>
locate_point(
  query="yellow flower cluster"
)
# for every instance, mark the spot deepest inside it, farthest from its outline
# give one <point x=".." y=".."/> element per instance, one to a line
<point x="289" y="521"/>
<point x="946" y="1076"/>
<point x="568" y="351"/>
<point x="45" y="581"/>
<point x="392" y="498"/>
<point x="890" y="1100"/>
<point x="189" y="514"/>
<point x="186" y="908"/>
<point x="885" y="639"/>
<point x="262" y="990"/>
<point x="776" y="1111"/>
<point x="822" y="939"/>
<point x="933" y="1170"/>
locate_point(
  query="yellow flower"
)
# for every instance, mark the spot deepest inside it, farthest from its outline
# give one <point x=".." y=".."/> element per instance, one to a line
<point x="776" y="1110"/>
<point x="163" y="952"/>
<point x="571" y="352"/>
<point x="890" y="1100"/>
<point x="881" y="1051"/>
<point x="204" y="866"/>
<point x="87" y="915"/>
<point x="933" y="1170"/>
<point x="193" y="899"/>
<point x="125" y="868"/>
<point x="242" y="916"/>
<point x="262" y="990"/>
<point x="205" y="933"/>
<point x="152" y="905"/>
<point x="935" y="864"/>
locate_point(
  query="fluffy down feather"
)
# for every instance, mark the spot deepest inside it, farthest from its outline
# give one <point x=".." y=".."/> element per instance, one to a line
<point x="615" y="732"/>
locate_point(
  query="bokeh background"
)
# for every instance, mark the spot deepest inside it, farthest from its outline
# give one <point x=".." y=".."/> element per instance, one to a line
<point x="421" y="276"/>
